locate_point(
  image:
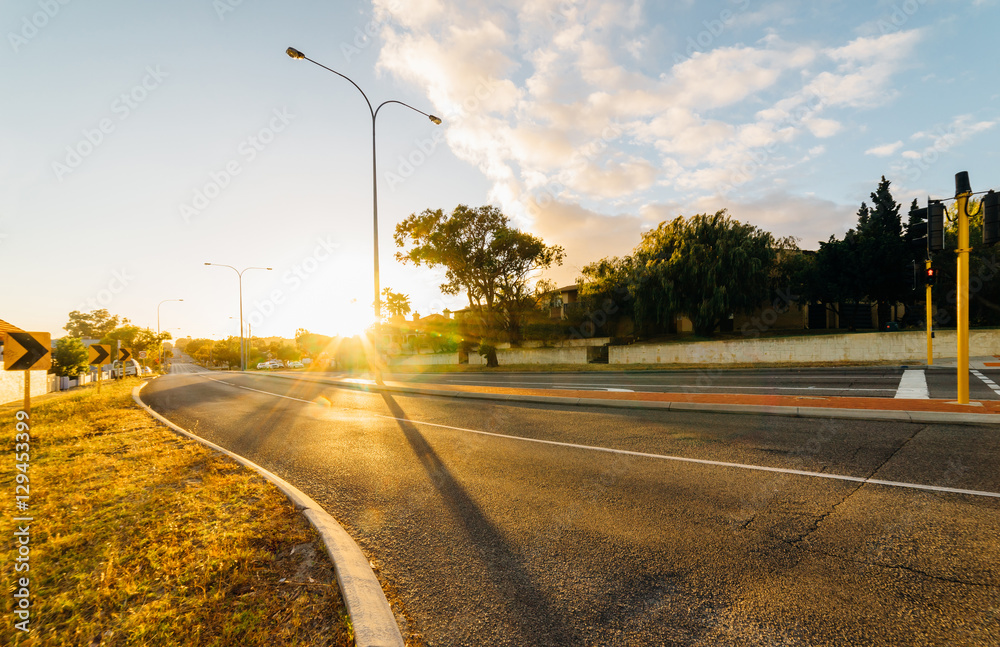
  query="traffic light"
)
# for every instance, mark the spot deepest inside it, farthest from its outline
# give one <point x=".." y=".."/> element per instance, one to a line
<point x="931" y="275"/>
<point x="991" y="218"/>
<point x="916" y="233"/>
<point x="935" y="226"/>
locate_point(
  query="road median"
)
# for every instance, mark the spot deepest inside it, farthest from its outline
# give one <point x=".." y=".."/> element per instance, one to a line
<point x="138" y="536"/>
<point x="854" y="408"/>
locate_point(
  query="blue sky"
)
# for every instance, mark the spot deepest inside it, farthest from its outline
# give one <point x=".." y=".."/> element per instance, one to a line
<point x="144" y="139"/>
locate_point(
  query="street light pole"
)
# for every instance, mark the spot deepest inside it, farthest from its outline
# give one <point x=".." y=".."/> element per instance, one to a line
<point x="294" y="53"/>
<point x="158" y="340"/>
<point x="239" y="274"/>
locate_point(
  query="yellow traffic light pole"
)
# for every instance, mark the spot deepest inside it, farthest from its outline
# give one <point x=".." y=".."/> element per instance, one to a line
<point x="930" y="314"/>
<point x="962" y="201"/>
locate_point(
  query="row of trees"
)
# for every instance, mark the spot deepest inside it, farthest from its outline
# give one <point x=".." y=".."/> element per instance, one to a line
<point x="875" y="262"/>
<point x="226" y="351"/>
<point x="708" y="268"/>
<point x="69" y="357"/>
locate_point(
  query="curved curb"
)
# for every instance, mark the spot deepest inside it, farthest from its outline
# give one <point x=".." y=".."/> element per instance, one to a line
<point x="371" y="617"/>
<point x="926" y="417"/>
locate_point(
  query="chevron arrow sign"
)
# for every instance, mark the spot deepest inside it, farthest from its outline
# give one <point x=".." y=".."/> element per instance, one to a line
<point x="99" y="355"/>
<point x="27" y="351"/>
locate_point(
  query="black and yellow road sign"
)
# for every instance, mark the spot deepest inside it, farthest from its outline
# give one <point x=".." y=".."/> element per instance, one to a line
<point x="124" y="354"/>
<point x="100" y="355"/>
<point x="27" y="351"/>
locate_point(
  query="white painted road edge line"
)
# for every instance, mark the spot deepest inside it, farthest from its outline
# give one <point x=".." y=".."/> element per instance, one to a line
<point x="681" y="459"/>
<point x="371" y="616"/>
<point x="913" y="385"/>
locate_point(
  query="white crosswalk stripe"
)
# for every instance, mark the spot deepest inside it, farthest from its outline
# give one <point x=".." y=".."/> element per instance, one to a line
<point x="913" y="385"/>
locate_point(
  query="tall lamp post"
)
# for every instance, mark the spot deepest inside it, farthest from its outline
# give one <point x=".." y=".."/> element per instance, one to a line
<point x="294" y="53"/>
<point x="160" y="356"/>
<point x="239" y="273"/>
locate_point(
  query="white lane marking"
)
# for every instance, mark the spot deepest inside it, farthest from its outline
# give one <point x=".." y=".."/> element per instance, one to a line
<point x="990" y="383"/>
<point x="913" y="385"/>
<point x="665" y="457"/>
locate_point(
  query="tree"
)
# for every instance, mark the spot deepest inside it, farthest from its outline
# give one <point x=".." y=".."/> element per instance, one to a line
<point x="92" y="325"/>
<point x="883" y="257"/>
<point x="396" y="304"/>
<point x="226" y="350"/>
<point x="605" y="293"/>
<point x="69" y="358"/>
<point x="484" y="257"/>
<point x="706" y="267"/>
<point x="871" y="262"/>
<point x="312" y="344"/>
<point x="136" y="338"/>
<point x="835" y="276"/>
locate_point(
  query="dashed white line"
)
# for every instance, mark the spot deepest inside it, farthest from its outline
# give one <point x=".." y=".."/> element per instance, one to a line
<point x="665" y="457"/>
<point x="987" y="381"/>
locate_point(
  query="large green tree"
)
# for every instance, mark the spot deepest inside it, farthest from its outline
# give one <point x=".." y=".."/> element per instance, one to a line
<point x="92" y="325"/>
<point x="882" y="253"/>
<point x="484" y="257"/>
<point x="706" y="267"/>
<point x="69" y="358"/>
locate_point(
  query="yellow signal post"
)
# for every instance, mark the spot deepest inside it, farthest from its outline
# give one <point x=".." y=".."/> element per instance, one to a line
<point x="930" y="315"/>
<point x="962" y="192"/>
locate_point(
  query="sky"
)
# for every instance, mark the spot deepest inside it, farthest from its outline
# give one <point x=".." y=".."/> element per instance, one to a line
<point x="142" y="140"/>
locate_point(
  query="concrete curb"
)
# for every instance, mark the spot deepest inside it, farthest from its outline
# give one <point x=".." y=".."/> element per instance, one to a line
<point x="372" y="618"/>
<point x="710" y="407"/>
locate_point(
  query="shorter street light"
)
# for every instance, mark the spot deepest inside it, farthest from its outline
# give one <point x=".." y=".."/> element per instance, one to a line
<point x="239" y="273"/>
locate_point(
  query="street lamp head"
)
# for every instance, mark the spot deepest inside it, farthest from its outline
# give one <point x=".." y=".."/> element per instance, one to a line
<point x="436" y="120"/>
<point x="207" y="263"/>
<point x="268" y="268"/>
<point x="294" y="53"/>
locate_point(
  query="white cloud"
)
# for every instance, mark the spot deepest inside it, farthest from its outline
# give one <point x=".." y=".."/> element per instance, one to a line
<point x="885" y="150"/>
<point x="557" y="99"/>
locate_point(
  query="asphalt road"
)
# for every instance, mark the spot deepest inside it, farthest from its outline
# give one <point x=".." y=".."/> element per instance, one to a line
<point x="498" y="540"/>
<point x="867" y="382"/>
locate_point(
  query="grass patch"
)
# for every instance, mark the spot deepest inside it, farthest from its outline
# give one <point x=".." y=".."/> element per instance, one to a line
<point x="141" y="537"/>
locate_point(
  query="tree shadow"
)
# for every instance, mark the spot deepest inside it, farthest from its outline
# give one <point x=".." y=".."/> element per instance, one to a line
<point x="528" y="605"/>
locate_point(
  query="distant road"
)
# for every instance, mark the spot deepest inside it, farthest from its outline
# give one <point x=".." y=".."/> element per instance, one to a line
<point x="488" y="528"/>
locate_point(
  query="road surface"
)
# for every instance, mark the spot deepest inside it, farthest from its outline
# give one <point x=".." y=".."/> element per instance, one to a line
<point x="484" y="536"/>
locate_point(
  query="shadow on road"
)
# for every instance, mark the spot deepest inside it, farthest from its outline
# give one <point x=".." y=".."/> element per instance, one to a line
<point x="527" y="604"/>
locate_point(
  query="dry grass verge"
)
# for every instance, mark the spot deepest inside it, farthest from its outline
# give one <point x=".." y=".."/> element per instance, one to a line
<point x="141" y="537"/>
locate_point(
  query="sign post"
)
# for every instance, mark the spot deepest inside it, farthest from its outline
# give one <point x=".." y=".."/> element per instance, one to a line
<point x="124" y="355"/>
<point x="99" y="356"/>
<point x="27" y="351"/>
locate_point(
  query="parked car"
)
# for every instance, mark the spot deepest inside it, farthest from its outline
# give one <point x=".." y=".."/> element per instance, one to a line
<point x="262" y="365"/>
<point x="275" y="363"/>
<point x="295" y="364"/>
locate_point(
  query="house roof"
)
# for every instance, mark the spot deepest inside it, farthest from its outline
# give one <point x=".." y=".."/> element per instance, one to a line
<point x="8" y="327"/>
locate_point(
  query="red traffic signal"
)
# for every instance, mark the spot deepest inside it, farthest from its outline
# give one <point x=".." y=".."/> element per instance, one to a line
<point x="931" y="275"/>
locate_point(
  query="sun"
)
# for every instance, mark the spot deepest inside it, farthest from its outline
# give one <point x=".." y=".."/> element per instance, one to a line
<point x="352" y="318"/>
